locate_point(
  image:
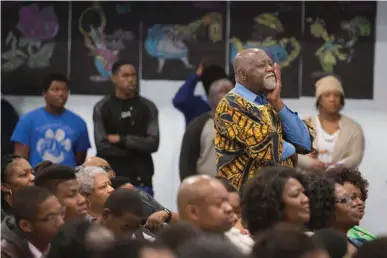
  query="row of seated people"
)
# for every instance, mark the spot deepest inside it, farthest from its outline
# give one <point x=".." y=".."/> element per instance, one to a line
<point x="33" y="215"/>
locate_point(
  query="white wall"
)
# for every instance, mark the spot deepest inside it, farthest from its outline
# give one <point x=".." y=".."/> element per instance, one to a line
<point x="372" y="115"/>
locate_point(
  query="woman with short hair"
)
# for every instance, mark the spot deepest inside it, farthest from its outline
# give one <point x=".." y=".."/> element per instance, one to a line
<point x="96" y="187"/>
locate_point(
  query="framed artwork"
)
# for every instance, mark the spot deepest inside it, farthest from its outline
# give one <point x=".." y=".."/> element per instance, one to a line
<point x="101" y="34"/>
<point x="34" y="43"/>
<point x="275" y="27"/>
<point x="178" y="36"/>
<point x="340" y="39"/>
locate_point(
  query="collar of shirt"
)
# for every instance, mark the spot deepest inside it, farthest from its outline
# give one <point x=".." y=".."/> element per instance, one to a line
<point x="249" y="95"/>
<point x="34" y="251"/>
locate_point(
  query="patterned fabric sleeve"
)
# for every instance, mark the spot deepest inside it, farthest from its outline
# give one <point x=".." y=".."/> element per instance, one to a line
<point x="261" y="142"/>
<point x="312" y="133"/>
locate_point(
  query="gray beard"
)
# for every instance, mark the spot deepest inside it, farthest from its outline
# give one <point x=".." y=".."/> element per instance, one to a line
<point x="270" y="83"/>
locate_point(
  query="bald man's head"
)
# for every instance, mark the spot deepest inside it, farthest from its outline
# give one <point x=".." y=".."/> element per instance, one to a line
<point x="252" y="68"/>
<point x="99" y="162"/>
<point x="96" y="162"/>
<point x="203" y="201"/>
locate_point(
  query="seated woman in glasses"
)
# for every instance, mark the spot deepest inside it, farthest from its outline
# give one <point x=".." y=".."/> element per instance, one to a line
<point x="331" y="206"/>
<point x="357" y="186"/>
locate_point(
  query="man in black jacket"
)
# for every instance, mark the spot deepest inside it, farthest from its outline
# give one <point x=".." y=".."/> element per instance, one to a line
<point x="126" y="128"/>
<point x="198" y="150"/>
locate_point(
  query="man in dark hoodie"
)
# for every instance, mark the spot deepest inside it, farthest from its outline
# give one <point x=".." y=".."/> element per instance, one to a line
<point x="126" y="128"/>
<point x="38" y="216"/>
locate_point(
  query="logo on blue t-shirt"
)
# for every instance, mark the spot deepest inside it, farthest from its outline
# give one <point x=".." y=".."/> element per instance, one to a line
<point x="54" y="145"/>
<point x="52" y="137"/>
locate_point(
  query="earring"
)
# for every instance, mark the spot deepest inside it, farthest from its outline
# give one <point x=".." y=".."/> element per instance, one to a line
<point x="10" y="192"/>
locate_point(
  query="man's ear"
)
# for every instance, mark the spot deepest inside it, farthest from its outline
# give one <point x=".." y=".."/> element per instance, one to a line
<point x="5" y="188"/>
<point x="106" y="214"/>
<point x="242" y="74"/>
<point x="192" y="212"/>
<point x="113" y="78"/>
<point x="26" y="226"/>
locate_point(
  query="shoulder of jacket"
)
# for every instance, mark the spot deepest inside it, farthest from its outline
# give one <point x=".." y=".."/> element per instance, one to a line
<point x="101" y="102"/>
<point x="352" y="123"/>
<point x="8" y="249"/>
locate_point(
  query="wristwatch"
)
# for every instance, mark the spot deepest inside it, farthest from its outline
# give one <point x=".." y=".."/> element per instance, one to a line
<point x="169" y="215"/>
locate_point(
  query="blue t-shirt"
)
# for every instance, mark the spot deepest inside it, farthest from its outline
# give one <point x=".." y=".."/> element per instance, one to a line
<point x="52" y="137"/>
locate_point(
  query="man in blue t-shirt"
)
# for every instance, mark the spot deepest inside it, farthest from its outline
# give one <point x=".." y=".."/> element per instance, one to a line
<point x="52" y="132"/>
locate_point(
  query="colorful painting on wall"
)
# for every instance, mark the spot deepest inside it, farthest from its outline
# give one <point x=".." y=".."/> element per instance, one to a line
<point x="178" y="37"/>
<point x="340" y="39"/>
<point x="102" y="33"/>
<point x="34" y="39"/>
<point x="274" y="27"/>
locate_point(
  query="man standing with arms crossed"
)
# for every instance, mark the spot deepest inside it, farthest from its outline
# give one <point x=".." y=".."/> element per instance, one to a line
<point x="126" y="128"/>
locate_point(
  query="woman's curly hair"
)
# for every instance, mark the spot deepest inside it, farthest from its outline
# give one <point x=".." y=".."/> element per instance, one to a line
<point x="322" y="200"/>
<point x="341" y="175"/>
<point x="261" y="202"/>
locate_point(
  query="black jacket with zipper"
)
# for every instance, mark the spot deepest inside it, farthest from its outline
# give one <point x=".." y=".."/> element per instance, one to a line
<point x="136" y="121"/>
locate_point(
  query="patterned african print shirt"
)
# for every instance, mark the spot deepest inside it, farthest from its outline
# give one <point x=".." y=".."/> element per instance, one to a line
<point x="249" y="135"/>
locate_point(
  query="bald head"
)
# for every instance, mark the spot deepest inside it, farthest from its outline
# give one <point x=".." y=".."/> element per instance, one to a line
<point x="96" y="162"/>
<point x="203" y="201"/>
<point x="251" y="66"/>
<point x="192" y="190"/>
<point x="99" y="162"/>
<point x="243" y="60"/>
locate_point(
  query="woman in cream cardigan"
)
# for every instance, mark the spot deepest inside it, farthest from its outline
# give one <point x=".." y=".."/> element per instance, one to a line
<point x="339" y="139"/>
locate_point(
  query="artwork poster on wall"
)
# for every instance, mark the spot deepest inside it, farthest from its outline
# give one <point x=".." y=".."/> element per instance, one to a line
<point x="339" y="39"/>
<point x="102" y="33"/>
<point x="178" y="37"/>
<point x="274" y="27"/>
<point x="34" y="42"/>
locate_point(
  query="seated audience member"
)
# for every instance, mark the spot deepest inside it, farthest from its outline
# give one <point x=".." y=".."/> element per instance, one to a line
<point x="177" y="235"/>
<point x="137" y="249"/>
<point x="37" y="218"/>
<point x="52" y="132"/>
<point x="61" y="181"/>
<point x="123" y="214"/>
<point x="80" y="239"/>
<point x="154" y="213"/>
<point x="9" y="118"/>
<point x="357" y="187"/>
<point x="192" y="105"/>
<point x="237" y="234"/>
<point x="208" y="246"/>
<point x="333" y="241"/>
<point x="99" y="162"/>
<point x="375" y="249"/>
<point x="339" y="139"/>
<point x="95" y="186"/>
<point x="285" y="240"/>
<point x="41" y="165"/>
<point x="277" y="194"/>
<point x="204" y="202"/>
<point x="331" y="207"/>
<point x="198" y="154"/>
<point x="16" y="173"/>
